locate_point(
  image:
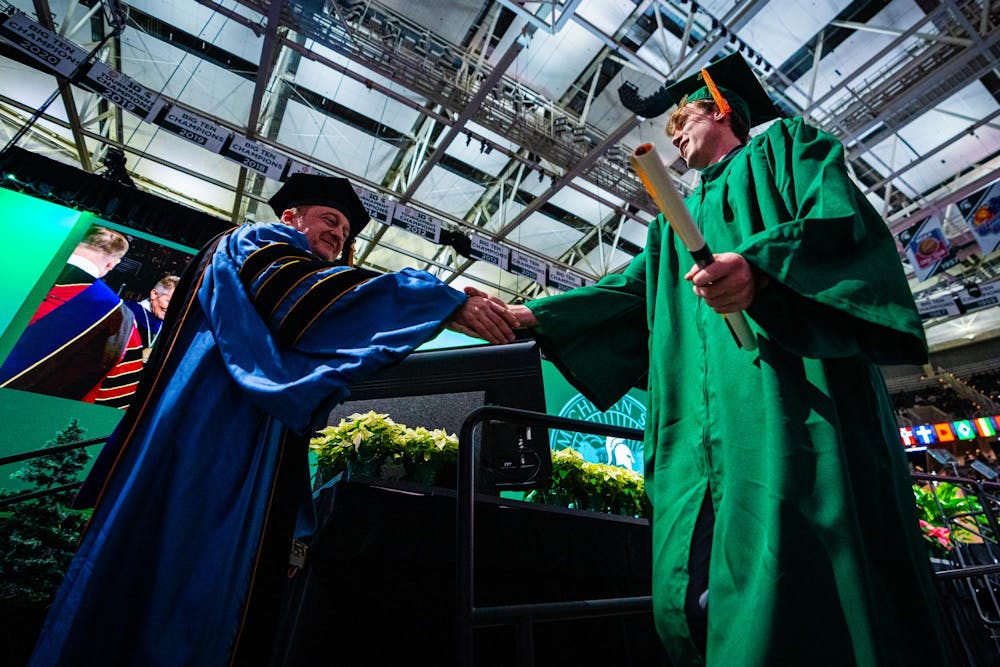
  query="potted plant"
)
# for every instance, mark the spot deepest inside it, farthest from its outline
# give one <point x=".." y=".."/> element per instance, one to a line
<point x="373" y="446"/>
<point x="598" y="487"/>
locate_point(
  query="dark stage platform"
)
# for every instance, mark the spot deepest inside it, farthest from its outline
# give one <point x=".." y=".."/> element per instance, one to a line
<point x="381" y="581"/>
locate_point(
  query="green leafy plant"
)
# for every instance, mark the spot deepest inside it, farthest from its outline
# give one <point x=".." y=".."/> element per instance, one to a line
<point x="947" y="515"/>
<point x="373" y="445"/>
<point x="38" y="536"/>
<point x="597" y="487"/>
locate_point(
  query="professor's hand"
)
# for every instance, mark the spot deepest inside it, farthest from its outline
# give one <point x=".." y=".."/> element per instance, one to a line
<point x="727" y="285"/>
<point x="484" y="316"/>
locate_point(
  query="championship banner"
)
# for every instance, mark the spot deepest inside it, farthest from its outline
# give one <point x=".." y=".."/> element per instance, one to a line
<point x="252" y="155"/>
<point x="122" y="91"/>
<point x="189" y="125"/>
<point x="563" y="280"/>
<point x="416" y="222"/>
<point x="490" y="251"/>
<point x="296" y="167"/>
<point x="528" y="266"/>
<point x="380" y="209"/>
<point x="59" y="55"/>
<point x="45" y="46"/>
<point x="982" y="212"/>
<point x="927" y="248"/>
<point x="937" y="306"/>
<point x="979" y="296"/>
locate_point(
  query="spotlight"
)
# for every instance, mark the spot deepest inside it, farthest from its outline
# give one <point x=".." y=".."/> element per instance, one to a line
<point x="114" y="160"/>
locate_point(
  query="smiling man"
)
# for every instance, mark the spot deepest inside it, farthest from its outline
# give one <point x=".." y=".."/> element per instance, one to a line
<point x="203" y="486"/>
<point x="784" y="526"/>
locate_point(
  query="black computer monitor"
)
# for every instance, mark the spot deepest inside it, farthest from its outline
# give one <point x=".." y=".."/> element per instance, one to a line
<point x="439" y="388"/>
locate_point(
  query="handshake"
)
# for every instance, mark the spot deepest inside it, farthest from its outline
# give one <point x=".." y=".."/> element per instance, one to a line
<point x="489" y="318"/>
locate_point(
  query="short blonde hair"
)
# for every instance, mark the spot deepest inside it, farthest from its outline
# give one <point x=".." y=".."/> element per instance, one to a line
<point x="680" y="115"/>
<point x="112" y="243"/>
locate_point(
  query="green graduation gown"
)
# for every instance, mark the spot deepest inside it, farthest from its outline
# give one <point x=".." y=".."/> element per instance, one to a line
<point x="817" y="557"/>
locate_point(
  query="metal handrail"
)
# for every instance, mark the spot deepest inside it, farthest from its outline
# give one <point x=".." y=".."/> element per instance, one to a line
<point x="470" y="616"/>
<point x="40" y="453"/>
<point x="46" y="451"/>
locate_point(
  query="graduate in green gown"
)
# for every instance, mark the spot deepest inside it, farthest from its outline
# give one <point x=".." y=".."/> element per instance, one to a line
<point x="784" y="464"/>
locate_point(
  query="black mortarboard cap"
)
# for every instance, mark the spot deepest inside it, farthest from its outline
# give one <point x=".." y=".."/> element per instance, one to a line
<point x="736" y="82"/>
<point x="318" y="190"/>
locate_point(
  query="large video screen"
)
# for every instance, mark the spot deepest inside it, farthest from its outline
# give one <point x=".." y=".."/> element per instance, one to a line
<point x="80" y="303"/>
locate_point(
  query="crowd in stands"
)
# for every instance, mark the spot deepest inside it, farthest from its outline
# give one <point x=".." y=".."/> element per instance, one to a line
<point x="148" y="263"/>
<point x="938" y="396"/>
<point x="987" y="383"/>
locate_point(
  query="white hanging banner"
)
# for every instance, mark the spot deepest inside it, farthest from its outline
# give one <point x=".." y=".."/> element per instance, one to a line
<point x="937" y="306"/>
<point x="379" y="208"/>
<point x="296" y="167"/>
<point x="417" y="222"/>
<point x="254" y="156"/>
<point x="123" y="91"/>
<point x="528" y="266"/>
<point x="927" y="248"/>
<point x="196" y="129"/>
<point x="563" y="280"/>
<point x="42" y="44"/>
<point x="977" y="297"/>
<point x="490" y="251"/>
<point x="982" y="213"/>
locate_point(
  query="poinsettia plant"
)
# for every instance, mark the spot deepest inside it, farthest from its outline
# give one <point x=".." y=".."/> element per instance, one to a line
<point x="373" y="445"/>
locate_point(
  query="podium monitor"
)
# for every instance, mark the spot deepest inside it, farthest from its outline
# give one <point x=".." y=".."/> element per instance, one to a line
<point x="439" y="388"/>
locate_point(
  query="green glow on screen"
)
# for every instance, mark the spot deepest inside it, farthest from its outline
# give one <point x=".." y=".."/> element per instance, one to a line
<point x="40" y="236"/>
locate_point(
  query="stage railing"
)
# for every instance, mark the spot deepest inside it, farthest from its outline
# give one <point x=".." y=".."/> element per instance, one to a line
<point x="968" y="574"/>
<point x="40" y="453"/>
<point x="522" y="616"/>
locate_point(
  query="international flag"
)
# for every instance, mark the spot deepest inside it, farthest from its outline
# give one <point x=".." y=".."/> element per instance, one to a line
<point x="925" y="434"/>
<point x="944" y="432"/>
<point x="963" y="429"/>
<point x="985" y="426"/>
<point x="906" y="435"/>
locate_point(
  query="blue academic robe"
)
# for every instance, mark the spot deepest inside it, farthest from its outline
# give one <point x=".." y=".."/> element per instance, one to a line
<point x="183" y="560"/>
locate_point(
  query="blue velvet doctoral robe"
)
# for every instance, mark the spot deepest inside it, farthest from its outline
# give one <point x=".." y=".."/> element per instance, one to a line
<point x="190" y="538"/>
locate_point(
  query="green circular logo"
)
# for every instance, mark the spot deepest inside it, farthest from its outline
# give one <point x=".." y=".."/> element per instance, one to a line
<point x="628" y="413"/>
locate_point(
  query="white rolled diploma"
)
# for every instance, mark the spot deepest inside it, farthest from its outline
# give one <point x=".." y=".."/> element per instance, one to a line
<point x="647" y="164"/>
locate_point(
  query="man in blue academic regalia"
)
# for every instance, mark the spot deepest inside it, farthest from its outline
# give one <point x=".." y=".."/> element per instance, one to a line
<point x="198" y="490"/>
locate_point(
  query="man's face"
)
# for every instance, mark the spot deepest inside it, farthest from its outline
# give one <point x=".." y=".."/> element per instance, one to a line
<point x="158" y="302"/>
<point x="325" y="228"/>
<point x="698" y="135"/>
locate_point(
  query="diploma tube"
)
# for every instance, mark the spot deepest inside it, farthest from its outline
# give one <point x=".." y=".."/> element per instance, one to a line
<point x="647" y="164"/>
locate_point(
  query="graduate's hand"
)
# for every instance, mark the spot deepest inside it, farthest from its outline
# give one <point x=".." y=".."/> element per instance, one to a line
<point x="484" y="316"/>
<point x="523" y="317"/>
<point x="728" y="284"/>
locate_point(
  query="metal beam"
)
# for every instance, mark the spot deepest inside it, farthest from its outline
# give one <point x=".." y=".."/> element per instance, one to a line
<point x="881" y="53"/>
<point x="930" y="153"/>
<point x="469" y="112"/>
<point x="265" y="66"/>
<point x="66" y="93"/>
<point x="930" y="37"/>
<point x="597" y="151"/>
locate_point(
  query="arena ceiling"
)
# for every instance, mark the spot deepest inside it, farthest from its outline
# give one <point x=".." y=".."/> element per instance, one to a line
<point x="500" y="121"/>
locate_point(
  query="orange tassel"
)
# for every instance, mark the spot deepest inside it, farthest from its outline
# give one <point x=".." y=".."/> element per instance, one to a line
<point x="720" y="101"/>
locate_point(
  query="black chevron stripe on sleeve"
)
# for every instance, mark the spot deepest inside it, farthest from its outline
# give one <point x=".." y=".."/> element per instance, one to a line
<point x="319" y="297"/>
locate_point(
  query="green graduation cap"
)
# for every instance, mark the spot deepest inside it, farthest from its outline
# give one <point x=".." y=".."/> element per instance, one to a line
<point x="731" y="84"/>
